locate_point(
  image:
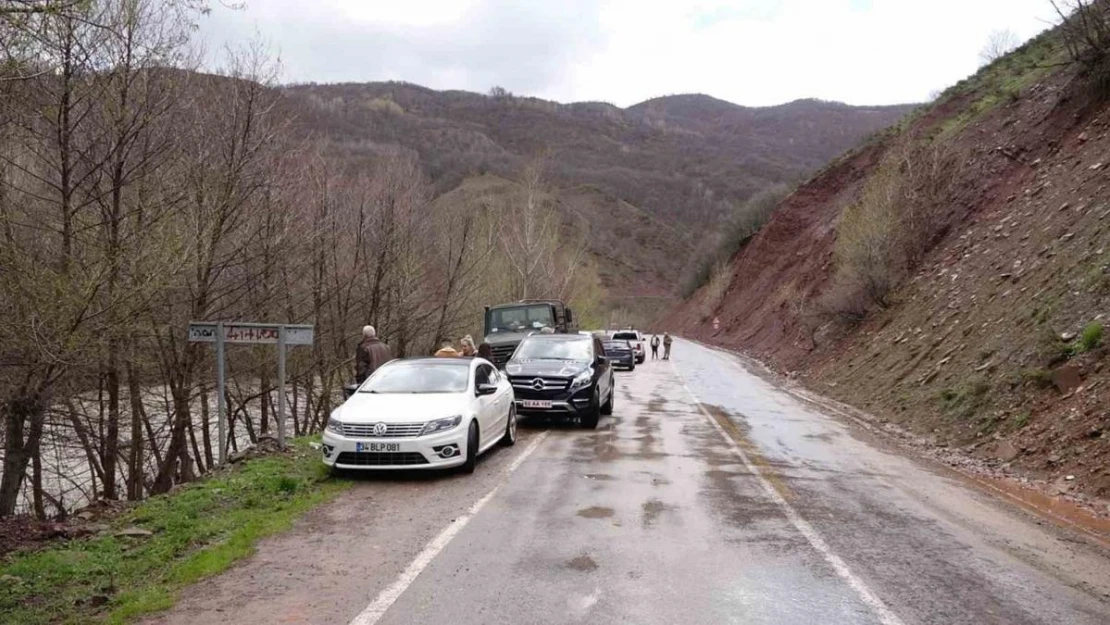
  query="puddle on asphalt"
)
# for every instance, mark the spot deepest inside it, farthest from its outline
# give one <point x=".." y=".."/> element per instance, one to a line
<point x="584" y="564"/>
<point x="652" y="509"/>
<point x="655" y="405"/>
<point x="1061" y="510"/>
<point x="595" y="512"/>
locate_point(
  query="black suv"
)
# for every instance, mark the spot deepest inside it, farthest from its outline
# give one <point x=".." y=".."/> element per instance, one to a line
<point x="562" y="375"/>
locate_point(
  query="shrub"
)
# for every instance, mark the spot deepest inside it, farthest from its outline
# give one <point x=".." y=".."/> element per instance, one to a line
<point x="867" y="241"/>
<point x="745" y="221"/>
<point x="719" y="280"/>
<point x="1091" y="337"/>
<point x="1040" y="378"/>
<point x="1085" y="29"/>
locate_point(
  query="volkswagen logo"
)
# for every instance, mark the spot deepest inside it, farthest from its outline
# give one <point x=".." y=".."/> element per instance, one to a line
<point x="537" y="384"/>
<point x="380" y="429"/>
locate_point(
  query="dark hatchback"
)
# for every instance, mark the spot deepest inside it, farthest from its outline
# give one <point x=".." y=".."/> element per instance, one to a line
<point x="621" y="354"/>
<point x="563" y="375"/>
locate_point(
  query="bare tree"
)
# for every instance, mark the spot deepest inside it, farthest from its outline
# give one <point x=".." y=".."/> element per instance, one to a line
<point x="999" y="44"/>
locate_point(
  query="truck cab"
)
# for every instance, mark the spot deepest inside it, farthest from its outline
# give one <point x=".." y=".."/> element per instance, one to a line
<point x="506" y="325"/>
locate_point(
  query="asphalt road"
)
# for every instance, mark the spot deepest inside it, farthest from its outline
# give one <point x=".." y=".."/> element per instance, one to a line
<point x="711" y="496"/>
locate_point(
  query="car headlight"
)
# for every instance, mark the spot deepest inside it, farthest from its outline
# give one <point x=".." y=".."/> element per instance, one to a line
<point x="335" y="425"/>
<point x="582" y="380"/>
<point x="441" y="425"/>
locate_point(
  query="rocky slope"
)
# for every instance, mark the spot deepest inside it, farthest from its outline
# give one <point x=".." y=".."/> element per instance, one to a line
<point x="990" y="343"/>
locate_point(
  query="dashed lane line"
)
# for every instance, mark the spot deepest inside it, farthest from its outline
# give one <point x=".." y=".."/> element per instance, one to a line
<point x="386" y="598"/>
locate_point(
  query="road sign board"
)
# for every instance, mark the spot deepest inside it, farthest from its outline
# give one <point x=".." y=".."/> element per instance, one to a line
<point x="258" y="333"/>
<point x="220" y="333"/>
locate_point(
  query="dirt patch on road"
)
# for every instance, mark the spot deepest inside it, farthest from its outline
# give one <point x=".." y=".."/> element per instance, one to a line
<point x="595" y="512"/>
<point x="652" y="508"/>
<point x="583" y="564"/>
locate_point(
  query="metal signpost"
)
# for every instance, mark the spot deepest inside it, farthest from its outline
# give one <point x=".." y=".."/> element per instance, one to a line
<point x="222" y="333"/>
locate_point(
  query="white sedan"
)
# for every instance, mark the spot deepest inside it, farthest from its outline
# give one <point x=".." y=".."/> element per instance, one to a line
<point x="422" y="413"/>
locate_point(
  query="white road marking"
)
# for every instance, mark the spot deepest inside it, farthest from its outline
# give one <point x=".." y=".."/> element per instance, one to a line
<point x="886" y="615"/>
<point x="386" y="598"/>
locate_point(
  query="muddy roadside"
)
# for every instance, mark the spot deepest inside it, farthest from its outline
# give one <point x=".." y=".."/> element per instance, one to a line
<point x="1085" y="514"/>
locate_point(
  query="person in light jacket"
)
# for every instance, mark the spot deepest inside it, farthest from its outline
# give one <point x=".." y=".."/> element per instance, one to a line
<point x="655" y="347"/>
<point x="370" y="354"/>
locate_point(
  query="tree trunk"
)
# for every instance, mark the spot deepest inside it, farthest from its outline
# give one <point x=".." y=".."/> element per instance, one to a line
<point x="135" y="455"/>
<point x="110" y="446"/>
<point x="26" y="409"/>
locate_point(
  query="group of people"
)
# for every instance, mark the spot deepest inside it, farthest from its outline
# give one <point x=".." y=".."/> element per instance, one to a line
<point x="466" y="349"/>
<point x="667" y="340"/>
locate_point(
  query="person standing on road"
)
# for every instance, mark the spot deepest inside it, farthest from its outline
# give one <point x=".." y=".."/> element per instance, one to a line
<point x="467" y="345"/>
<point x="655" y="347"/>
<point x="447" y="350"/>
<point x="667" y="345"/>
<point x="485" y="351"/>
<point x="370" y="354"/>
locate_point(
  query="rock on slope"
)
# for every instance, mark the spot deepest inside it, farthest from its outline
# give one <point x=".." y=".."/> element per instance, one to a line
<point x="981" y="348"/>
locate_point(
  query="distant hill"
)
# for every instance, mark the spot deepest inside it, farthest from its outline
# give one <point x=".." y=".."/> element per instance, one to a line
<point x="684" y="160"/>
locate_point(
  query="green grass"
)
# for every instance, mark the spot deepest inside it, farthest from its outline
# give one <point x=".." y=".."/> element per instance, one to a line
<point x="1001" y="82"/>
<point x="1091" y="338"/>
<point x="1039" y="377"/>
<point x="967" y="399"/>
<point x="199" y="530"/>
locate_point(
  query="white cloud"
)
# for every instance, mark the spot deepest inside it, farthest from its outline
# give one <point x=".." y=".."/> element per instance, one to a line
<point x="753" y="52"/>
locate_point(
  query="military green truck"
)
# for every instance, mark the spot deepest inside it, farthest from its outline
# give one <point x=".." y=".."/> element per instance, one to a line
<point x="507" y="324"/>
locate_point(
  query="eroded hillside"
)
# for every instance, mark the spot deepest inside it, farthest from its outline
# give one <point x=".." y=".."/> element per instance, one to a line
<point x="951" y="277"/>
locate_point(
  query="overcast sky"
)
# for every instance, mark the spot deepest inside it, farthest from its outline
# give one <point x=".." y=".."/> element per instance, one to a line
<point x="752" y="52"/>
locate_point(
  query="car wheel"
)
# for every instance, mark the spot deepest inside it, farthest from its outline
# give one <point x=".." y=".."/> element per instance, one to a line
<point x="607" y="407"/>
<point x="471" y="448"/>
<point x="633" y="367"/>
<point x="593" y="413"/>
<point x="509" y="439"/>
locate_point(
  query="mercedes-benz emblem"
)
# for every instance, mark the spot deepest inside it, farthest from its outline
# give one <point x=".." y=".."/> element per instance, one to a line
<point x="537" y="384"/>
<point x="380" y="429"/>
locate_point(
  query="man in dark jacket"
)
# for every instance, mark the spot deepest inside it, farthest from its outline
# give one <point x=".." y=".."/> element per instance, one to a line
<point x="370" y="354"/>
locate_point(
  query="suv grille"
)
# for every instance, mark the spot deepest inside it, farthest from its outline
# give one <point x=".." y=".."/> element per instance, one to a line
<point x="381" y="459"/>
<point x="366" y="430"/>
<point x="502" y="353"/>
<point x="548" y="384"/>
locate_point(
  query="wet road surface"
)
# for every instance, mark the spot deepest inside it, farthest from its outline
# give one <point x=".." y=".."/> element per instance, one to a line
<point x="710" y="496"/>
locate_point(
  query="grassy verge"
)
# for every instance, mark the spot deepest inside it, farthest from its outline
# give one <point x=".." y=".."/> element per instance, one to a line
<point x="198" y="531"/>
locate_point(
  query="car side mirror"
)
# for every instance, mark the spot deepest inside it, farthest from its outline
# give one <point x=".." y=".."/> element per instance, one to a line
<point x="600" y="360"/>
<point x="486" y="389"/>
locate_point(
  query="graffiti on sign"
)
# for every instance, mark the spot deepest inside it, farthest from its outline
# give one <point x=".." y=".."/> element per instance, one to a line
<point x="250" y="333"/>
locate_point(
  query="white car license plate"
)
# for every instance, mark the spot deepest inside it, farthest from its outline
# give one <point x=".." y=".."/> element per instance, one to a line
<point x="377" y="447"/>
<point x="536" y="403"/>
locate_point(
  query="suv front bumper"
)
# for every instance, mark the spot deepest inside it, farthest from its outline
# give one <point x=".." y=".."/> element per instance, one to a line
<point x="570" y="403"/>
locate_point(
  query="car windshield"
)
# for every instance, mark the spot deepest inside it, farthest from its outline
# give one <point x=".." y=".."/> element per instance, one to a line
<point x="419" y="377"/>
<point x="626" y="336"/>
<point x="617" y="345"/>
<point x="559" y="349"/>
<point x="521" y="318"/>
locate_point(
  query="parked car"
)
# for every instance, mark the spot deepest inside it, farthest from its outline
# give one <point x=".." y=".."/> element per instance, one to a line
<point x="637" y="341"/>
<point x="422" y="413"/>
<point x="620" y="354"/>
<point x="564" y="375"/>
